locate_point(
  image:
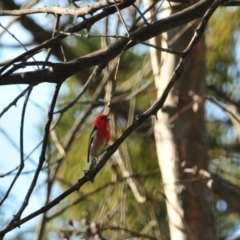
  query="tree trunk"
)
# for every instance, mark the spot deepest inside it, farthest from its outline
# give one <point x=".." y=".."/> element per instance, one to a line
<point x="181" y="139"/>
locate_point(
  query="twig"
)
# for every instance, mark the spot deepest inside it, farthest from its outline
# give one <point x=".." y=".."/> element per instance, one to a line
<point x="139" y="196"/>
<point x="40" y="228"/>
<point x="186" y="53"/>
<point x="11" y="171"/>
<point x="136" y="234"/>
<point x="110" y="88"/>
<point x="57" y="143"/>
<point x="13" y="36"/>
<point x="21" y="166"/>
<point x="211" y="99"/>
<point x="41" y="160"/>
<point x="96" y="72"/>
<point x="141" y="14"/>
<point x="168" y="50"/>
<point x="189" y="231"/>
<point x="114" y="182"/>
<point x="105" y="55"/>
<point x="61" y="11"/>
<point x="73" y="131"/>
<point x="121" y="17"/>
<point x="29" y="4"/>
<point x="50" y="43"/>
<point x="223" y="96"/>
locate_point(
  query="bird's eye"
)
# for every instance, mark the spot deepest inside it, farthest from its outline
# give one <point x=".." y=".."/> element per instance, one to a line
<point x="103" y="118"/>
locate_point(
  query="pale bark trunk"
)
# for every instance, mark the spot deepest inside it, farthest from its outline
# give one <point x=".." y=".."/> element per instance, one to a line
<point x="181" y="141"/>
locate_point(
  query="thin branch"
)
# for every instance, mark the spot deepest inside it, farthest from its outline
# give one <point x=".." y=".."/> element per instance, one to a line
<point x="78" y="12"/>
<point x="95" y="74"/>
<point x="29" y="4"/>
<point x="41" y="159"/>
<point x="13" y="36"/>
<point x="27" y="157"/>
<point x="186" y="53"/>
<point x="21" y="166"/>
<point x="73" y="131"/>
<point x="132" y="233"/>
<point x="118" y="99"/>
<point x="121" y="18"/>
<point x="57" y="143"/>
<point x="189" y="231"/>
<point x="112" y="85"/>
<point x="211" y="99"/>
<point x="232" y="3"/>
<point x="114" y="182"/>
<point x="86" y="24"/>
<point x="100" y="57"/>
<point x="139" y="195"/>
<point x="168" y="50"/>
<point x="41" y="226"/>
<point x="10" y="140"/>
<point x="152" y="6"/>
<point x="141" y="14"/>
<point x="22" y="128"/>
<point x="223" y="96"/>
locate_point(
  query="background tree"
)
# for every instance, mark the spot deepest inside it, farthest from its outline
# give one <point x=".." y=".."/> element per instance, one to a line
<point x="99" y="59"/>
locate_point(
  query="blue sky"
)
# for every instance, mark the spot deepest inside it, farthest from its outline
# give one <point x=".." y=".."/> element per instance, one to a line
<point x="10" y="129"/>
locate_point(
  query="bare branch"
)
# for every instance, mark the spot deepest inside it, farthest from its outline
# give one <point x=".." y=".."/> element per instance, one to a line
<point x="21" y="166"/>
<point x="41" y="159"/>
<point x="78" y="12"/>
<point x="14" y="102"/>
<point x="86" y="24"/>
<point x="101" y="57"/>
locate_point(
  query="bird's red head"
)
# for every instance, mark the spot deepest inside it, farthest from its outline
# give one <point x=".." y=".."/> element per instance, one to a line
<point x="101" y="121"/>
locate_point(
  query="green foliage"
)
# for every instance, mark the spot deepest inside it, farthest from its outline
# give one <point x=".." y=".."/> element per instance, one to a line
<point x="221" y="60"/>
<point x="222" y="64"/>
<point x="110" y="199"/>
<point x="221" y="46"/>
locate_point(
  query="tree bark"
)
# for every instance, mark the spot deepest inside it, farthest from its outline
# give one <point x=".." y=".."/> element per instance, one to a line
<point x="181" y="140"/>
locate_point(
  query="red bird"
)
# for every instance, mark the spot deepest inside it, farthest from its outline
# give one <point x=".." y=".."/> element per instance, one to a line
<point x="99" y="139"/>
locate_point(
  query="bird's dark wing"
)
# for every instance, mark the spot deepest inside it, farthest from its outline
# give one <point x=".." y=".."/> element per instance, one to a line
<point x="90" y="142"/>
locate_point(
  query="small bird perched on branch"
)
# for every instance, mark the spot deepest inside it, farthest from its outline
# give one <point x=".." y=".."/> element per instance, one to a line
<point x="99" y="138"/>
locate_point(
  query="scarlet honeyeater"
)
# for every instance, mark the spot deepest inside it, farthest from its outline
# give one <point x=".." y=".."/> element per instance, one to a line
<point x="99" y="138"/>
